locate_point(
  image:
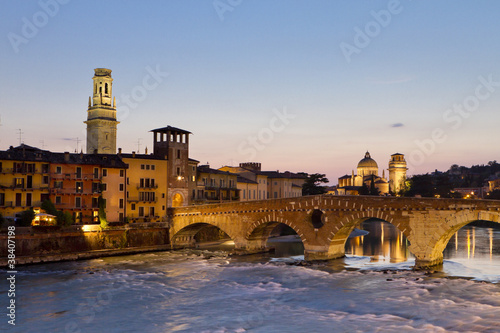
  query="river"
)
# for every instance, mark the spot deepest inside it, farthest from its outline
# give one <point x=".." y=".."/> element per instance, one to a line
<point x="372" y="289"/>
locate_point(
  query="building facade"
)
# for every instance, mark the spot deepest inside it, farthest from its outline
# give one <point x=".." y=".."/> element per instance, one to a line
<point x="72" y="182"/>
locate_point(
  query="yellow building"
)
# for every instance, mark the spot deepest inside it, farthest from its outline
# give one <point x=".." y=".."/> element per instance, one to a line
<point x="146" y="187"/>
<point x="162" y="179"/>
<point x="24" y="179"/>
<point x="269" y="184"/>
<point x="215" y="186"/>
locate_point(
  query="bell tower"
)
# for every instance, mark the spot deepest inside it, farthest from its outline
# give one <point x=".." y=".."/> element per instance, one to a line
<point x="101" y="115"/>
<point x="397" y="172"/>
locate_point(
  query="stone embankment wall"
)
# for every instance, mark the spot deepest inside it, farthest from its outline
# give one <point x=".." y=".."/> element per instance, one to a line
<point x="34" y="243"/>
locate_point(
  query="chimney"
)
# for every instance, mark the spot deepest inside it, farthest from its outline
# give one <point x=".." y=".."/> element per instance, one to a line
<point x="133" y="154"/>
<point x="146" y="151"/>
<point x="66" y="156"/>
<point x="119" y="151"/>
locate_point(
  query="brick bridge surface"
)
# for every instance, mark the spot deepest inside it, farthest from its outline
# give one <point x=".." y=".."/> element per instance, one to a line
<point x="324" y="222"/>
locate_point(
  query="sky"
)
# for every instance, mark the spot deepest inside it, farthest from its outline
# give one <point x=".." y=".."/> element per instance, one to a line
<point x="295" y="85"/>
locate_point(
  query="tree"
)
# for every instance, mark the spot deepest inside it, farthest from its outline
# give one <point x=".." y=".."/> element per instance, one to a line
<point x="62" y="218"/>
<point x="25" y="218"/>
<point x="102" y="212"/>
<point x="312" y="184"/>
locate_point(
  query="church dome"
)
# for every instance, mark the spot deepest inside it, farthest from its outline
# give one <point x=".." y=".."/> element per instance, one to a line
<point x="367" y="166"/>
<point x="367" y="162"/>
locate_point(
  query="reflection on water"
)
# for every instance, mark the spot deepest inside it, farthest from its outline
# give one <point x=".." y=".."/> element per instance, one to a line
<point x="474" y="251"/>
<point x="384" y="243"/>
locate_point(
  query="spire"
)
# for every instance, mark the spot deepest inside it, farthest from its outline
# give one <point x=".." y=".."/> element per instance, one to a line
<point x="383" y="173"/>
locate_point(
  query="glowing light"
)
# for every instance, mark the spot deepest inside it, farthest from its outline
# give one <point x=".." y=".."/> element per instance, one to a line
<point x="468" y="244"/>
<point x="473" y="242"/>
<point x="490" y="233"/>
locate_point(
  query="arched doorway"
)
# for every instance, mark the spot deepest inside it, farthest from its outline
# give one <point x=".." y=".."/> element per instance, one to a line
<point x="177" y="200"/>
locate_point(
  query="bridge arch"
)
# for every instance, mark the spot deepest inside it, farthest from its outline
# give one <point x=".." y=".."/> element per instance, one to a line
<point x="346" y="225"/>
<point x="185" y="237"/>
<point x="258" y="233"/>
<point x="451" y="225"/>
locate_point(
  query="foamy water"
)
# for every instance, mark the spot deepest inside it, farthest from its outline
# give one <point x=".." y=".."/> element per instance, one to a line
<point x="196" y="291"/>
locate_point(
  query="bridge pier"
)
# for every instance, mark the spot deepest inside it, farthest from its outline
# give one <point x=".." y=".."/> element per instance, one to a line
<point x="324" y="252"/>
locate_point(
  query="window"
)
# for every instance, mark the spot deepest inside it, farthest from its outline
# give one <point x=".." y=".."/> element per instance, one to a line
<point x="132" y="206"/>
<point x="96" y="173"/>
<point x="95" y="187"/>
<point x="95" y="202"/>
<point x="58" y="170"/>
<point x="178" y="153"/>
<point x="106" y="88"/>
<point x="0" y="166"/>
<point x="79" y="187"/>
<point x="29" y="197"/>
<point x="45" y="168"/>
<point x="141" y="211"/>
<point x="275" y="195"/>
<point x="147" y="166"/>
<point x="58" y="200"/>
<point x="104" y="172"/>
<point x="122" y="186"/>
<point x="104" y="187"/>
<point x="19" y="183"/>
<point x="44" y="197"/>
<point x="178" y="171"/>
<point x="2" y="199"/>
<point x="128" y="181"/>
<point x="163" y="195"/>
<point x="152" y="166"/>
<point x="122" y="173"/>
<point x="19" y="199"/>
<point x="143" y="167"/>
<point x="244" y="194"/>
<point x="121" y="203"/>
<point x="45" y="180"/>
<point x="163" y="207"/>
<point x="78" y="202"/>
<point x="78" y="172"/>
<point x="58" y="184"/>
<point x="151" y="211"/>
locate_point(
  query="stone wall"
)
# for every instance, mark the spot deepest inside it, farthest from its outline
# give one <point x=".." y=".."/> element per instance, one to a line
<point x="59" y="242"/>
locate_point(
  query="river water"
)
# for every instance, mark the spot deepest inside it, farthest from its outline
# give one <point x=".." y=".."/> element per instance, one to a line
<point x="372" y="289"/>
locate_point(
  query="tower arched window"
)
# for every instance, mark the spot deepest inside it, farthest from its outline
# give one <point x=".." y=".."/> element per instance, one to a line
<point x="106" y="88"/>
<point x="100" y="90"/>
<point x="95" y="89"/>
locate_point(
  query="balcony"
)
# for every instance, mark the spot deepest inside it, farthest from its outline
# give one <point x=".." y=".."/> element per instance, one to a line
<point x="147" y="187"/>
<point x="137" y="199"/>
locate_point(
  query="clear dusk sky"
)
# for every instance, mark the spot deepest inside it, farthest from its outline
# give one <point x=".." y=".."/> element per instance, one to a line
<point x="296" y="85"/>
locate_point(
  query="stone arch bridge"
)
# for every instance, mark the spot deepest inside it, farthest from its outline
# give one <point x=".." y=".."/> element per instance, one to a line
<point x="324" y="222"/>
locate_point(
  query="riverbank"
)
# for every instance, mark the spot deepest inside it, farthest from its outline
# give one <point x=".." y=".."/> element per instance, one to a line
<point x="47" y="258"/>
<point x="35" y="245"/>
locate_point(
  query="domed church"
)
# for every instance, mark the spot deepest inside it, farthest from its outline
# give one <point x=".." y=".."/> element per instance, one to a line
<point x="367" y="172"/>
